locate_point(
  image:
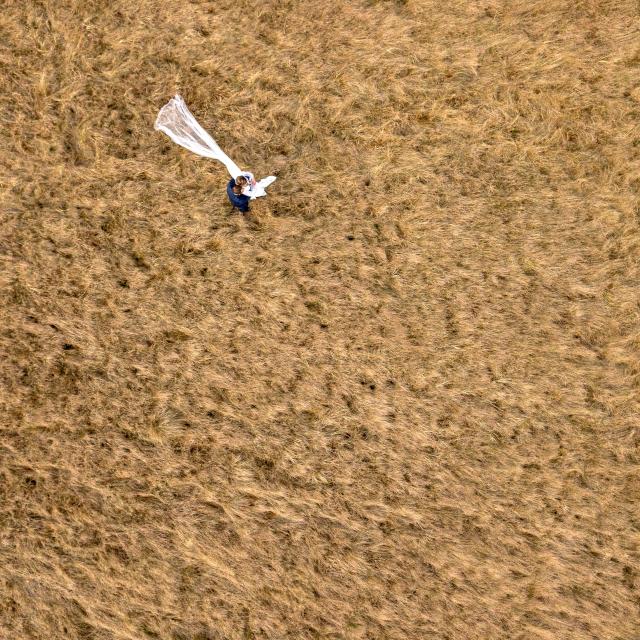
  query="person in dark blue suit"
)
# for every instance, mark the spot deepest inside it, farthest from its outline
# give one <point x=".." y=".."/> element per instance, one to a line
<point x="236" y="197"/>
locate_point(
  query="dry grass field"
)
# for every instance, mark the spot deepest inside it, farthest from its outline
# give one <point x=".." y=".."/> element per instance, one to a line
<point x="399" y="400"/>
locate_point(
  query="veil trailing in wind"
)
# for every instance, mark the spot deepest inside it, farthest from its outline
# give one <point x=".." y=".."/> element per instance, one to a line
<point x="178" y="123"/>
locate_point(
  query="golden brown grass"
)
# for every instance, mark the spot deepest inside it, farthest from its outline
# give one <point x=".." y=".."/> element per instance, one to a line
<point x="400" y="400"/>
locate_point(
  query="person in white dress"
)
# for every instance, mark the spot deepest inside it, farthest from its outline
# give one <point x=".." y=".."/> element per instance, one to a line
<point x="175" y="120"/>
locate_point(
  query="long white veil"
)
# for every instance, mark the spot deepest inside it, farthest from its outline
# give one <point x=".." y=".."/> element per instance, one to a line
<point x="178" y="123"/>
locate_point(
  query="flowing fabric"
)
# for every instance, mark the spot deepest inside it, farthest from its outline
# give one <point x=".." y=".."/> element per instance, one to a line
<point x="178" y="123"/>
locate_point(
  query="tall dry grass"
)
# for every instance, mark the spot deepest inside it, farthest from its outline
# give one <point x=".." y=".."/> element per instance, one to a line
<point x="400" y="400"/>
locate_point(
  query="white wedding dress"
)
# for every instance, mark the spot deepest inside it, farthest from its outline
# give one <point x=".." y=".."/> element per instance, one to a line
<point x="178" y="123"/>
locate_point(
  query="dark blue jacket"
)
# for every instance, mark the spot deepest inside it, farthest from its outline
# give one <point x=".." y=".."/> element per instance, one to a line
<point x="237" y="200"/>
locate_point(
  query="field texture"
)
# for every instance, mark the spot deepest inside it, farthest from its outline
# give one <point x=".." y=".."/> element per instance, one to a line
<point x="399" y="400"/>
